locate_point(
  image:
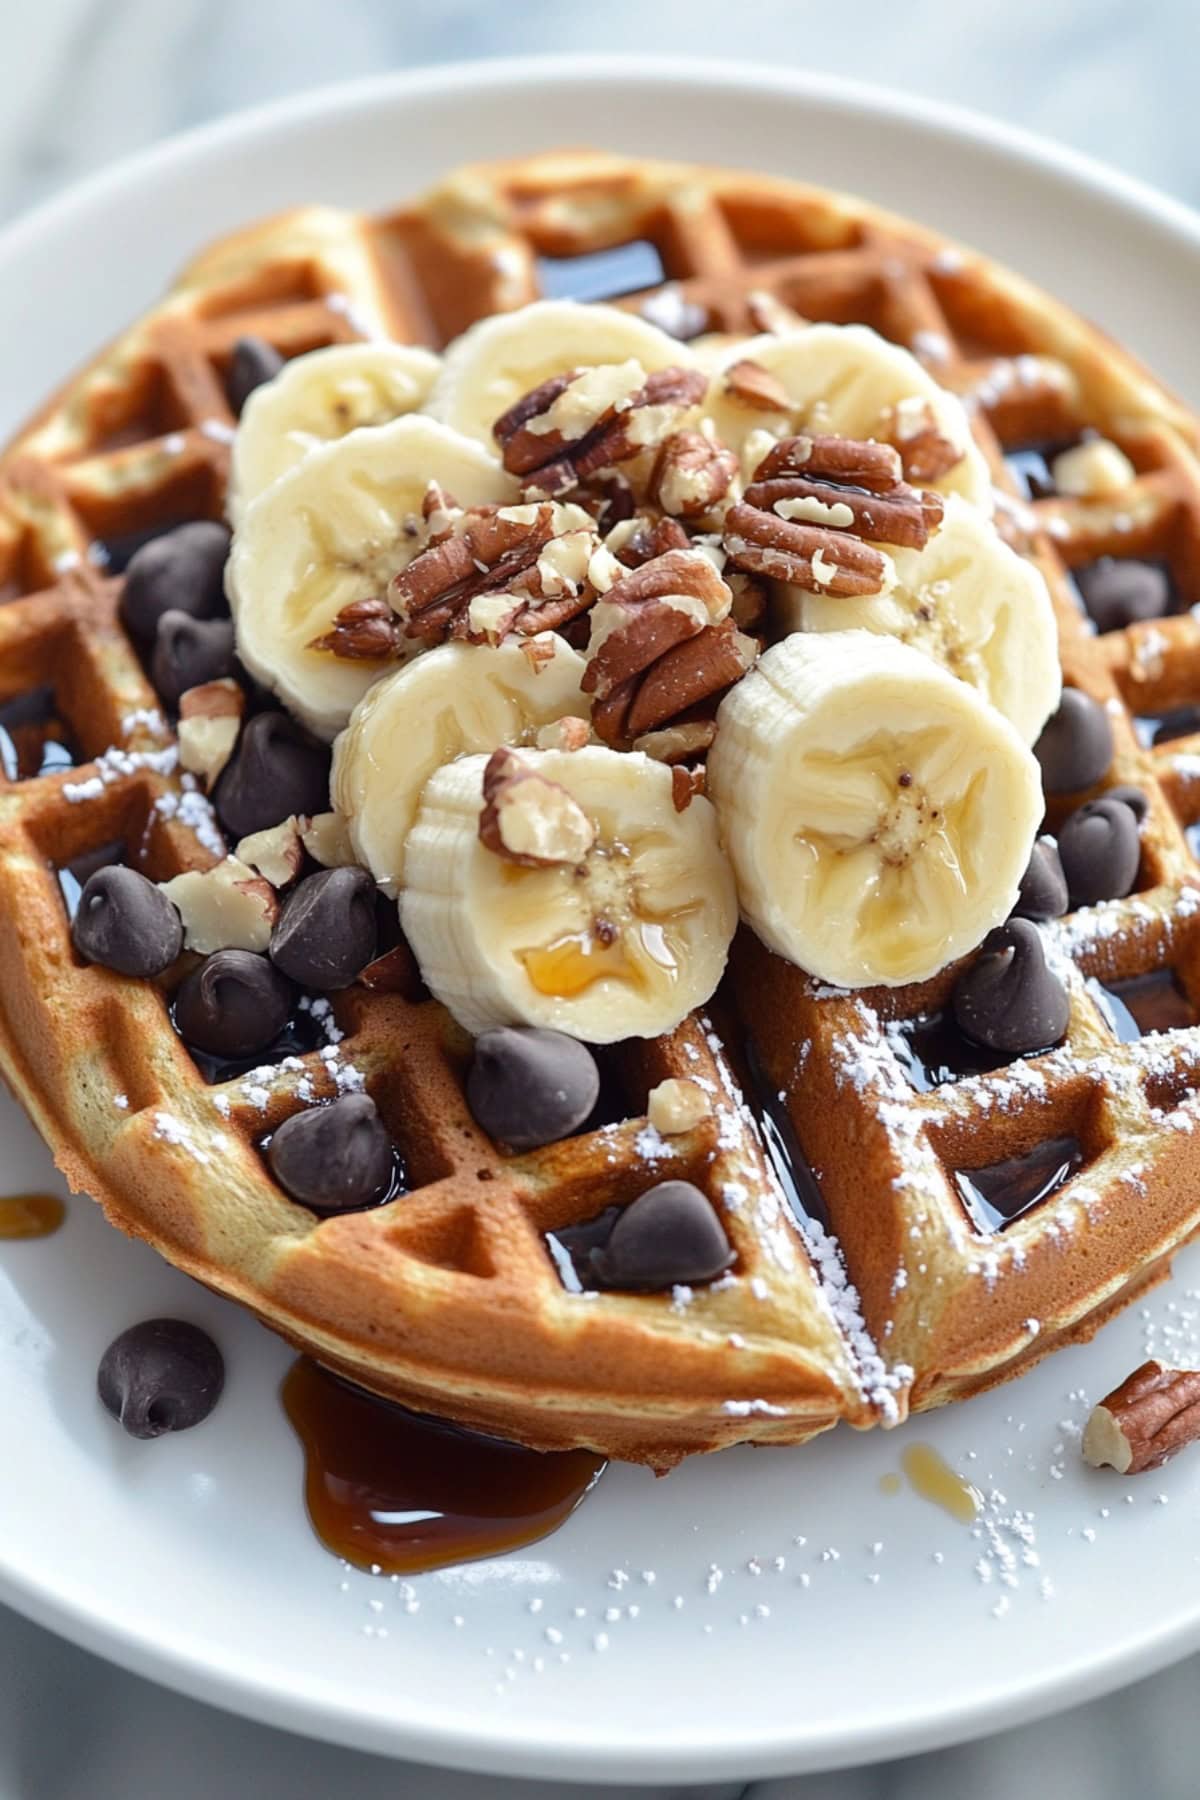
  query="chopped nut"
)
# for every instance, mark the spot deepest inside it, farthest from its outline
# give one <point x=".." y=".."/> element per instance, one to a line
<point x="529" y="819"/>
<point x="691" y="473"/>
<point x="1142" y="1423"/>
<point x="747" y="383"/>
<point x="858" y="462"/>
<point x="688" y="674"/>
<point x="906" y="516"/>
<point x="210" y="718"/>
<point x="819" y="558"/>
<point x="676" y="743"/>
<point x="686" y="784"/>
<point x="227" y="907"/>
<point x="553" y="460"/>
<point x="327" y="839"/>
<point x="677" y="1105"/>
<point x="926" y="453"/>
<point x="644" y="539"/>
<point x="1093" y="468"/>
<point x="364" y="631"/>
<point x="564" y="734"/>
<point x="277" y="853"/>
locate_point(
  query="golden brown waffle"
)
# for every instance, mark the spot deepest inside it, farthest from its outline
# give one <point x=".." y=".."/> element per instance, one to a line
<point x="449" y="1298"/>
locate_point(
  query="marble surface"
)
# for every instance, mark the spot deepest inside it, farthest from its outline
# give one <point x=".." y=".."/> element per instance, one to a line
<point x="99" y="78"/>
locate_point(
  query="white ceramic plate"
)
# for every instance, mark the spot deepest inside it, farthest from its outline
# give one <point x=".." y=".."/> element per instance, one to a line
<point x="755" y="1613"/>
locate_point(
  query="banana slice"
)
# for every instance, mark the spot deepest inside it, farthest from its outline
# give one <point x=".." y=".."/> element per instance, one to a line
<point x="846" y="380"/>
<point x="497" y="360"/>
<point x="319" y="397"/>
<point x="968" y="601"/>
<point x="334" y="529"/>
<point x="455" y="699"/>
<point x="879" y="815"/>
<point x="612" y="919"/>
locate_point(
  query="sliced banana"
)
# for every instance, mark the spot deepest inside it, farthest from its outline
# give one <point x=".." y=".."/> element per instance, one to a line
<point x="879" y="815"/>
<point x="848" y="381"/>
<point x="334" y="529"/>
<point x="455" y="699"/>
<point x="622" y="943"/>
<point x="968" y="601"/>
<point x="497" y="360"/>
<point x="317" y="398"/>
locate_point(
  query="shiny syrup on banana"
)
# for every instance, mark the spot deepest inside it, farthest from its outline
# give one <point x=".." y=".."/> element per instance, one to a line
<point x="396" y="1493"/>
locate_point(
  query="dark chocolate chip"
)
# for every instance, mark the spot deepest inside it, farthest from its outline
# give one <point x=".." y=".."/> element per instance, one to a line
<point x="1008" y="999"/>
<point x="670" y="1235"/>
<point x="162" y="1375"/>
<point x="126" y="923"/>
<point x="276" y="770"/>
<point x="1100" y="850"/>
<point x="325" y="935"/>
<point x="528" y="1087"/>
<point x="253" y="362"/>
<point x="181" y="571"/>
<point x="234" y="1004"/>
<point x="1118" y="591"/>
<point x="188" y="652"/>
<point x="1134" y="798"/>
<point x="1043" y="891"/>
<point x="334" y="1158"/>
<point x="1076" y="745"/>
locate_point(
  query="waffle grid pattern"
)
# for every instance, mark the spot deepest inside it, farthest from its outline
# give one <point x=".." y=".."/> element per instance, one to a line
<point x="447" y="1298"/>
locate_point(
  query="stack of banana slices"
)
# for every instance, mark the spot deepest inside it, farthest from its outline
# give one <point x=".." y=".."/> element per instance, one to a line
<point x="869" y="798"/>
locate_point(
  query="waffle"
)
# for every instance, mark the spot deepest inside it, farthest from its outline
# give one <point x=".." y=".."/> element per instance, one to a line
<point x="864" y="1286"/>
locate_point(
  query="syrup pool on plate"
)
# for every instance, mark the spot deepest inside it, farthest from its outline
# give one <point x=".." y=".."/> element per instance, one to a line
<point x="30" y="1215"/>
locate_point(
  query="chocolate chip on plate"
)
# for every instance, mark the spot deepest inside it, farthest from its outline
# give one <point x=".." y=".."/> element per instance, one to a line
<point x="1043" y="890"/>
<point x="669" y="1235"/>
<point x="188" y="652"/>
<point x="1076" y="745"/>
<point x="253" y="362"/>
<point x="1101" y="851"/>
<point x="529" y="1087"/>
<point x="124" y="922"/>
<point x="234" y="1004"/>
<point x="162" y="1375"/>
<point x="1008" y="999"/>
<point x="276" y="770"/>
<point x="326" y="934"/>
<point x="334" y="1158"/>
<point x="1120" y="591"/>
<point x="180" y="571"/>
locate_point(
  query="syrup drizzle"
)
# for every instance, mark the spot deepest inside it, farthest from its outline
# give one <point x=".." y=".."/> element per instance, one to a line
<point x="30" y="1215"/>
<point x="930" y="1476"/>
<point x="396" y="1493"/>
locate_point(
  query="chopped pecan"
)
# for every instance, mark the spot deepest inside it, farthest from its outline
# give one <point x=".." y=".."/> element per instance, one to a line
<point x="679" y="741"/>
<point x="925" y="451"/>
<point x="648" y="539"/>
<point x="823" y="560"/>
<point x="552" y="460"/>
<point x="529" y="819"/>
<point x="747" y="383"/>
<point x="685" y="785"/>
<point x="508" y="569"/>
<point x="749" y="599"/>
<point x="691" y="473"/>
<point x="905" y="516"/>
<point x="365" y="631"/>
<point x="860" y="462"/>
<point x="650" y="610"/>
<point x="1142" y="1423"/>
<point x="687" y="674"/>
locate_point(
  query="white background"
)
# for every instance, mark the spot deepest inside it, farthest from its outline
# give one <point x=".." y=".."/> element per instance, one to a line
<point x="92" y="79"/>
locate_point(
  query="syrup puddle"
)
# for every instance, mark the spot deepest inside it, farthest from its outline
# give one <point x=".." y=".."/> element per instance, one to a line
<point x="931" y="1477"/>
<point x="30" y="1215"/>
<point x="397" y="1494"/>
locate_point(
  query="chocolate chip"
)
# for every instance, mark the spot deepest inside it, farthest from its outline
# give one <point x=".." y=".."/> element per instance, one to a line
<point x="1076" y="745"/>
<point x="529" y="1087"/>
<point x="233" y="1004"/>
<point x="276" y="770"/>
<point x="1100" y="850"/>
<point x="669" y="1235"/>
<point x="253" y="362"/>
<point x="325" y="935"/>
<point x="126" y="923"/>
<point x="1118" y="591"/>
<point x="1134" y="798"/>
<point x="1043" y="891"/>
<point x="334" y="1158"/>
<point x="162" y="1375"/>
<point x="1008" y="999"/>
<point x="190" y="651"/>
<point x="181" y="571"/>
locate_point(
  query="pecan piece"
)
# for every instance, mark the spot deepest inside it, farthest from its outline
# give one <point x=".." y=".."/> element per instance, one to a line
<point x="651" y="538"/>
<point x="647" y="612"/>
<point x="747" y="383"/>
<point x="687" y="674"/>
<point x="685" y="785"/>
<point x="679" y="741"/>
<point x="1142" y="1423"/>
<point x="529" y="819"/>
<point x="860" y="462"/>
<point x="691" y="473"/>
<point x="905" y="516"/>
<point x="364" y="631"/>
<point x="925" y="451"/>
<point x="818" y="558"/>
<point x="609" y="421"/>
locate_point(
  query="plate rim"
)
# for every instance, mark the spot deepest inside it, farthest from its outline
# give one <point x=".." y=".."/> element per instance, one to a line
<point x="320" y="1709"/>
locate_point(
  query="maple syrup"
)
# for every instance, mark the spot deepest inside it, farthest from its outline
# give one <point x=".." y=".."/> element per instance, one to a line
<point x="30" y="1215"/>
<point x="397" y="1493"/>
<point x="1143" y="1005"/>
<point x="930" y="1476"/>
<point x="1003" y="1191"/>
<point x="933" y="1051"/>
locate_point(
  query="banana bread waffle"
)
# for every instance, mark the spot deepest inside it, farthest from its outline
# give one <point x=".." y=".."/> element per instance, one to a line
<point x="864" y="1198"/>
